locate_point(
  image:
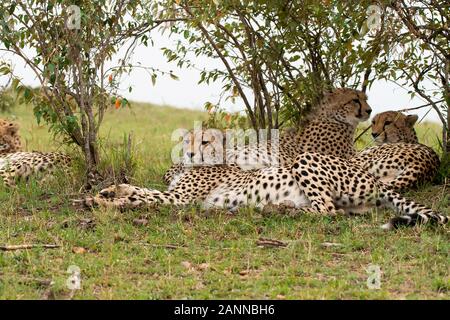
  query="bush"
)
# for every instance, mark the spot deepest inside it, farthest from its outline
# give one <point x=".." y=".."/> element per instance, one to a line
<point x="7" y="101"/>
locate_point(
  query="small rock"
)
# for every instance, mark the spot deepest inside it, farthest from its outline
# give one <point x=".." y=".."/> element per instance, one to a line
<point x="118" y="238"/>
<point x="203" y="266"/>
<point x="78" y="250"/>
<point x="244" y="273"/>
<point x="199" y="286"/>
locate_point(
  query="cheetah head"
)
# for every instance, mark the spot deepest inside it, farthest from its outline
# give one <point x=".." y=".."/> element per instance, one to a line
<point x="9" y="137"/>
<point x="394" y="126"/>
<point x="203" y="147"/>
<point x="344" y="105"/>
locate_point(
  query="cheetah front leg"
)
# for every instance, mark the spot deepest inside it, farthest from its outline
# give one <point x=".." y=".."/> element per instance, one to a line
<point x="8" y="179"/>
<point x="9" y="173"/>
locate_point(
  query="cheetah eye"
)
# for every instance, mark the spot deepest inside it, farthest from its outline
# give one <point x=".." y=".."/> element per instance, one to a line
<point x="204" y="142"/>
<point x="387" y="123"/>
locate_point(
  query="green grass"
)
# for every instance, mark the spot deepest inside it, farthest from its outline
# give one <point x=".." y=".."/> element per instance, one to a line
<point x="174" y="253"/>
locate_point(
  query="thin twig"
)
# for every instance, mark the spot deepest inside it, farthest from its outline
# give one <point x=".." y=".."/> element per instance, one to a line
<point x="28" y="246"/>
<point x="401" y="110"/>
<point x="263" y="242"/>
<point x="362" y="133"/>
<point x="167" y="246"/>
<point x="420" y="107"/>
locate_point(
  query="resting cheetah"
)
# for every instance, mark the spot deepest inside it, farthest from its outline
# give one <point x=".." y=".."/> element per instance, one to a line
<point x="15" y="164"/>
<point x="329" y="130"/>
<point x="314" y="183"/>
<point x="394" y="127"/>
<point x="399" y="159"/>
<point x="22" y="165"/>
<point x="9" y="137"/>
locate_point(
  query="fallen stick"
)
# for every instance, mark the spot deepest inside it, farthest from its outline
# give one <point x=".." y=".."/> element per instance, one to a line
<point x="28" y="246"/>
<point x="331" y="244"/>
<point x="166" y="246"/>
<point x="263" y="242"/>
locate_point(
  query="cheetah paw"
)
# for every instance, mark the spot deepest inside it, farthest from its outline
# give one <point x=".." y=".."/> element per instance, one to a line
<point x="86" y="203"/>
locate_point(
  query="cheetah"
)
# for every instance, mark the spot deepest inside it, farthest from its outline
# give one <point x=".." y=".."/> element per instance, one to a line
<point x="394" y="127"/>
<point x="314" y="183"/>
<point x="22" y="165"/>
<point x="9" y="137"/>
<point x="16" y="164"/>
<point x="328" y="130"/>
<point x="330" y="127"/>
<point x="398" y="159"/>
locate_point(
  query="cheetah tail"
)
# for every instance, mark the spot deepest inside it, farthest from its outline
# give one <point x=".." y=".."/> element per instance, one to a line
<point x="411" y="213"/>
<point x="122" y="198"/>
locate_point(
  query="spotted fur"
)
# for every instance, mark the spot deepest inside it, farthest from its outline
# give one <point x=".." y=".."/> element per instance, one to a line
<point x="16" y="164"/>
<point x="315" y="183"/>
<point x="394" y="127"/>
<point x="329" y="130"/>
<point x="399" y="159"/>
<point x="9" y="137"/>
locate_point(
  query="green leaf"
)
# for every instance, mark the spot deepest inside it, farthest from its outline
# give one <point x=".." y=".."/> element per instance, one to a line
<point x="27" y="94"/>
<point x="15" y="83"/>
<point x="51" y="68"/>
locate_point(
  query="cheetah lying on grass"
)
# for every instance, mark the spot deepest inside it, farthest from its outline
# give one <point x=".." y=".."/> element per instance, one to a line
<point x="329" y="130"/>
<point x="399" y="159"/>
<point x="15" y="164"/>
<point x="314" y="183"/>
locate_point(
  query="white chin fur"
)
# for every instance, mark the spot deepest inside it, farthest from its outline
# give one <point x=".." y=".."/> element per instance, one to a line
<point x="387" y="226"/>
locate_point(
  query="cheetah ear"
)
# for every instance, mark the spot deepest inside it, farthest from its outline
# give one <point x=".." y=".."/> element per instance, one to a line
<point x="12" y="128"/>
<point x="328" y="90"/>
<point x="325" y="93"/>
<point x="411" y="119"/>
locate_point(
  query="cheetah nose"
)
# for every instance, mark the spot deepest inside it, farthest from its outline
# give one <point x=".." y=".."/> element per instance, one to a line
<point x="374" y="135"/>
<point x="190" y="154"/>
<point x="369" y="111"/>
